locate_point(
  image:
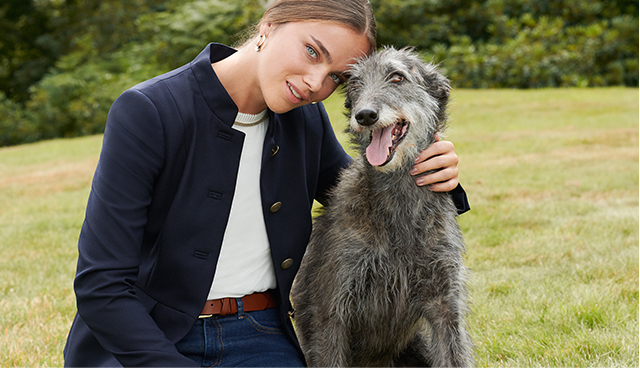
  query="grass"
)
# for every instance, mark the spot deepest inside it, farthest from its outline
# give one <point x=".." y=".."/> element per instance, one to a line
<point x="552" y="237"/>
<point x="43" y="192"/>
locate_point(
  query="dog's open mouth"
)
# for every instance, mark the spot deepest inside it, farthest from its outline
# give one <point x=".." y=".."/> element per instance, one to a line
<point x="384" y="142"/>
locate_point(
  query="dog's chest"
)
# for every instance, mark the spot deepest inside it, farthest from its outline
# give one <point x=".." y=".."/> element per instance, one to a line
<point x="388" y="283"/>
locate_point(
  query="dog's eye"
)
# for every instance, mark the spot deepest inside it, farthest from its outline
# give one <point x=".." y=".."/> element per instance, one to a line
<point x="356" y="84"/>
<point x="397" y="78"/>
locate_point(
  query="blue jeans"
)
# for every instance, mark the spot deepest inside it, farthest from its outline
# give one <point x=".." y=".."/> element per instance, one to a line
<point x="245" y="339"/>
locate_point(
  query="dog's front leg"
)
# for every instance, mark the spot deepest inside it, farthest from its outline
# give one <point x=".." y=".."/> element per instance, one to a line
<point x="330" y="346"/>
<point x="451" y="345"/>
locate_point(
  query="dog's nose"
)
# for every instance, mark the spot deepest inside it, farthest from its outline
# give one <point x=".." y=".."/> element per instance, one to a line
<point x="367" y="116"/>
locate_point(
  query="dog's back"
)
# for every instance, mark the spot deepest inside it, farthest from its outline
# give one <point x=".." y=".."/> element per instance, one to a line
<point x="382" y="282"/>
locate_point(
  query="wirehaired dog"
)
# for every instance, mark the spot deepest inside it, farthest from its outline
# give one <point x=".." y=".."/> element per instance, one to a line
<point x="383" y="282"/>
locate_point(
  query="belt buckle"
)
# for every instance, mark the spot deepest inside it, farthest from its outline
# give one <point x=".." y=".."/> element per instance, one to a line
<point x="203" y="316"/>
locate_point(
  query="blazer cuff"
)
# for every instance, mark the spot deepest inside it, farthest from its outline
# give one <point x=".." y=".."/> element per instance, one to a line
<point x="460" y="200"/>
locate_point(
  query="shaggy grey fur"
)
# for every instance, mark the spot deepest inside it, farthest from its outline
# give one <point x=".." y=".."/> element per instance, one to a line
<point x="383" y="282"/>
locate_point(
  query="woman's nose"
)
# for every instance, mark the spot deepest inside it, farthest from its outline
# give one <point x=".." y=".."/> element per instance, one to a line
<point x="315" y="79"/>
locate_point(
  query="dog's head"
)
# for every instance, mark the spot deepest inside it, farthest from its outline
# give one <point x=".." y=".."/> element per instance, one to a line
<point x="396" y="103"/>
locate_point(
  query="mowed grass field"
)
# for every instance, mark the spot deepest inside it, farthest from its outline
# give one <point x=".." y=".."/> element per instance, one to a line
<point x="552" y="237"/>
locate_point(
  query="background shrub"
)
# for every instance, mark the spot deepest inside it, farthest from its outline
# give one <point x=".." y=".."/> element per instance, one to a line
<point x="62" y="63"/>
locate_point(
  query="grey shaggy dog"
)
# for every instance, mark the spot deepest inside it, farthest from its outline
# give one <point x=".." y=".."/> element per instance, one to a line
<point x="383" y="282"/>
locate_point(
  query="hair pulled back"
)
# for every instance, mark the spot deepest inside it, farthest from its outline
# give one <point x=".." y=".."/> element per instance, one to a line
<point x="355" y="14"/>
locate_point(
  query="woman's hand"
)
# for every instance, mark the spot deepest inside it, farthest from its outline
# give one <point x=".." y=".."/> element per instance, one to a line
<point x="439" y="156"/>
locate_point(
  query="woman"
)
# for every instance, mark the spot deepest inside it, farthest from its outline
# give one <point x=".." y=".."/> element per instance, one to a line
<point x="199" y="212"/>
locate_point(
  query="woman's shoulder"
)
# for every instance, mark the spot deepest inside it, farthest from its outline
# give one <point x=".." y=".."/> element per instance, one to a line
<point x="311" y="115"/>
<point x="164" y="84"/>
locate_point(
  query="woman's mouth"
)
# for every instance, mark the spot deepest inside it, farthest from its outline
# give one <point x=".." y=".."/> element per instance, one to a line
<point x="293" y="91"/>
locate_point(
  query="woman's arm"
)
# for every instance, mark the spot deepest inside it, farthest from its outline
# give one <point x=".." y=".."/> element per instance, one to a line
<point x="112" y="234"/>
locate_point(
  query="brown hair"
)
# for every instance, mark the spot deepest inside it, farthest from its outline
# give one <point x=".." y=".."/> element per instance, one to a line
<point x="355" y="14"/>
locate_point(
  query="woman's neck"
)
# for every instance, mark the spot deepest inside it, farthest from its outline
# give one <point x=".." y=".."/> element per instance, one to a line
<point x="237" y="75"/>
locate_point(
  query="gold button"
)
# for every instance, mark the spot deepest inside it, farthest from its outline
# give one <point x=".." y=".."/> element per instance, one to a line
<point x="274" y="150"/>
<point x="276" y="207"/>
<point x="287" y="263"/>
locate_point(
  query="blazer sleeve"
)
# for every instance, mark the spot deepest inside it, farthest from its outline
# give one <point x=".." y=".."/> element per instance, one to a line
<point x="111" y="237"/>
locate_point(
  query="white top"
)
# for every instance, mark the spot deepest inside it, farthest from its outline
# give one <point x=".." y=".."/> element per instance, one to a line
<point x="245" y="265"/>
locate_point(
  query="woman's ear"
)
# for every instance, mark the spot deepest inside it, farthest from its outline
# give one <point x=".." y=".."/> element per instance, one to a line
<point x="266" y="28"/>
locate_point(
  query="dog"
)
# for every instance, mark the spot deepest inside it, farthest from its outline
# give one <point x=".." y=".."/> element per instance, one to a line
<point x="382" y="282"/>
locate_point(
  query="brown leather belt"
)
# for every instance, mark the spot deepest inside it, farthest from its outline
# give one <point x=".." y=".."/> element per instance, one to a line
<point x="250" y="303"/>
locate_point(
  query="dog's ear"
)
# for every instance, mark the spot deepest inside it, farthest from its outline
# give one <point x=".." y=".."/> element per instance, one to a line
<point x="347" y="102"/>
<point x="433" y="80"/>
<point x="437" y="85"/>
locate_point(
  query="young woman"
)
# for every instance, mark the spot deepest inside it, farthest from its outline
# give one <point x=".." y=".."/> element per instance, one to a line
<point x="199" y="211"/>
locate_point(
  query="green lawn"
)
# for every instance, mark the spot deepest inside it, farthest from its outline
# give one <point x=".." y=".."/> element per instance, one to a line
<point x="552" y="237"/>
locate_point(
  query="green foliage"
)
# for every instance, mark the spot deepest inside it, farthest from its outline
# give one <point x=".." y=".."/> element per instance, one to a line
<point x="15" y="126"/>
<point x="63" y="62"/>
<point x="74" y="103"/>
<point x="122" y="43"/>
<point x="545" y="55"/>
<point x="177" y="36"/>
<point x="25" y="51"/>
<point x="519" y="43"/>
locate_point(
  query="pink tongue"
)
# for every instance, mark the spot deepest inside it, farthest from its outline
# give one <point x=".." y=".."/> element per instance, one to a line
<point x="379" y="147"/>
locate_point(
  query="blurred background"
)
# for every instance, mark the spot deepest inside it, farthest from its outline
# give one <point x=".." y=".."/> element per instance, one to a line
<point x="63" y="62"/>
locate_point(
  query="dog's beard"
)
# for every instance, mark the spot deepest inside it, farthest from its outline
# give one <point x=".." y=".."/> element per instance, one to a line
<point x="384" y="141"/>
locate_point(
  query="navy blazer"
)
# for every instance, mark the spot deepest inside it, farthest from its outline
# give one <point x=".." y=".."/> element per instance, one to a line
<point x="159" y="205"/>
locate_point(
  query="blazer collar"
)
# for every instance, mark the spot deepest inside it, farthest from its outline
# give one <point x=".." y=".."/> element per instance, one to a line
<point x="212" y="90"/>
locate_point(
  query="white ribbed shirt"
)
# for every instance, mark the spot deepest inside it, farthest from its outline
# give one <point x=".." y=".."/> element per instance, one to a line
<point x="245" y="265"/>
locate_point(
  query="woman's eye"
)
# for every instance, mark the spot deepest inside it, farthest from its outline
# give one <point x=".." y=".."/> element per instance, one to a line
<point x="312" y="52"/>
<point x="336" y="79"/>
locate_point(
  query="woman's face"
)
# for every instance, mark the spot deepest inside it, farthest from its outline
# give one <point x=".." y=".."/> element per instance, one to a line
<point x="304" y="62"/>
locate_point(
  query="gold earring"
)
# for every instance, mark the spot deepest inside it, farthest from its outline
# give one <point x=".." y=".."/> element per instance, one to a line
<point x="260" y="43"/>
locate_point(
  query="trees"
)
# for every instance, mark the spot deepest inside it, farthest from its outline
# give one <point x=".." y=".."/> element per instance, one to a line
<point x="113" y="45"/>
<point x="25" y="51"/>
<point x="519" y="43"/>
<point x="63" y="62"/>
